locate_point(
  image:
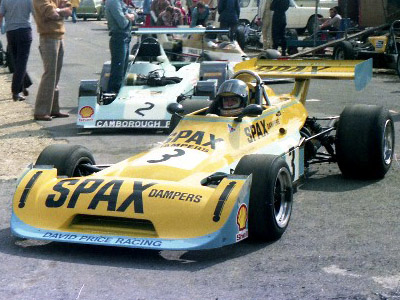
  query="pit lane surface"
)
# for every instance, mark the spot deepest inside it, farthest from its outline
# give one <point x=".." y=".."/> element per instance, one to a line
<point x="342" y="241"/>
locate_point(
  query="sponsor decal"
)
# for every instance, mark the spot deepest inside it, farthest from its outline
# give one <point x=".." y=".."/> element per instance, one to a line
<point x="241" y="220"/>
<point x="231" y="128"/>
<point x="379" y="44"/>
<point x="133" y="123"/>
<point x="293" y="69"/>
<point x="212" y="74"/>
<point x="27" y="189"/>
<point x="86" y="112"/>
<point x="174" y="195"/>
<point x="259" y="129"/>
<point x="197" y="140"/>
<point x="98" y="239"/>
<point x="101" y="191"/>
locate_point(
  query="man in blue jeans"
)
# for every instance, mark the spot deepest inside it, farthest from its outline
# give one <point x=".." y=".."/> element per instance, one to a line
<point x="119" y="21"/>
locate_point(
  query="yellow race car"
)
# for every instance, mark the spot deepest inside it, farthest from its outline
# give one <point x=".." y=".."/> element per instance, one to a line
<point x="226" y="172"/>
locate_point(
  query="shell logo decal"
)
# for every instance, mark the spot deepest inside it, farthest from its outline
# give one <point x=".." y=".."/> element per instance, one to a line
<point x="86" y="112"/>
<point x="241" y="220"/>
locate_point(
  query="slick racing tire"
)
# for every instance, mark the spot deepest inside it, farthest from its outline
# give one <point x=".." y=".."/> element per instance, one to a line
<point x="291" y="35"/>
<point x="69" y="160"/>
<point x="241" y="36"/>
<point x="365" y="141"/>
<point x="189" y="106"/>
<point x="343" y="50"/>
<point x="310" y="25"/>
<point x="271" y="195"/>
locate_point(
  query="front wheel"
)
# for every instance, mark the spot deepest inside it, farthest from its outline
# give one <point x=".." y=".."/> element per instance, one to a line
<point x="365" y="141"/>
<point x="398" y="65"/>
<point x="271" y="195"/>
<point x="69" y="160"/>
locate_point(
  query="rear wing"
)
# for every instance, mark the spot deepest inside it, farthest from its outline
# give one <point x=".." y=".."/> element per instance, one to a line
<point x="176" y="30"/>
<point x="305" y="69"/>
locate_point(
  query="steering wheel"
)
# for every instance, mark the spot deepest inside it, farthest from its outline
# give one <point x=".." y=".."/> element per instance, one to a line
<point x="149" y="40"/>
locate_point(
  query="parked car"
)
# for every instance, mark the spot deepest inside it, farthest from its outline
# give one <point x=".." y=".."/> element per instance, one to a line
<point x="299" y="18"/>
<point x="151" y="82"/>
<point x="91" y="9"/>
<point x="383" y="45"/>
<point x="322" y="3"/>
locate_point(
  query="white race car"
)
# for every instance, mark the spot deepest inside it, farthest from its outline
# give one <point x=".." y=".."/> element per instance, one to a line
<point x="151" y="83"/>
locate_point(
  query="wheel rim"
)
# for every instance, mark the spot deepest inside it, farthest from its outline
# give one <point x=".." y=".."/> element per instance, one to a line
<point x="282" y="198"/>
<point x="339" y="54"/>
<point x="388" y="139"/>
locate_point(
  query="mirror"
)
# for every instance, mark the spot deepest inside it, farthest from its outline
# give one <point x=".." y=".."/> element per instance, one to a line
<point x="250" y="110"/>
<point x="175" y="108"/>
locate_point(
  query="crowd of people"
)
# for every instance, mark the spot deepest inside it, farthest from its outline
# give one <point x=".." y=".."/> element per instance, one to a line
<point x="50" y="15"/>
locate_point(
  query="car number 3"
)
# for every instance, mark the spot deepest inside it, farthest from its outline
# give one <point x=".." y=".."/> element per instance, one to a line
<point x="165" y="157"/>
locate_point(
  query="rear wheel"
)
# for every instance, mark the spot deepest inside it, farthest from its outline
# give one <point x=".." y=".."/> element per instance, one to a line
<point x="241" y="36"/>
<point x="271" y="195"/>
<point x="69" y="160"/>
<point x="311" y="24"/>
<point x="365" y="141"/>
<point x="343" y="50"/>
<point x="291" y="35"/>
<point x="398" y="65"/>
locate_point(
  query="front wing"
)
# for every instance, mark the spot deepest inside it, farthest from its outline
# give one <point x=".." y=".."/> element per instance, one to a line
<point x="226" y="210"/>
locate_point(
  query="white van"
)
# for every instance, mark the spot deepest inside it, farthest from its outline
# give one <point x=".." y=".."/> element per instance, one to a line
<point x="322" y="3"/>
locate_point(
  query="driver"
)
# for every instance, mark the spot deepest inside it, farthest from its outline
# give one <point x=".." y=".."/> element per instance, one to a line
<point x="232" y="98"/>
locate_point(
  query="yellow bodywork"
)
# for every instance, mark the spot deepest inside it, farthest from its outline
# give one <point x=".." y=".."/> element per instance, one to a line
<point x="157" y="194"/>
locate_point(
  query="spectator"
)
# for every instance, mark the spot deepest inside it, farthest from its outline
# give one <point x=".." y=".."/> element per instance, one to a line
<point x="191" y="4"/>
<point x="146" y="12"/>
<point x="279" y="7"/>
<point x="171" y="16"/>
<point x="157" y="6"/>
<point x="333" y="23"/>
<point x="266" y="25"/>
<point x="200" y="15"/>
<point x="119" y="20"/>
<point x="178" y="4"/>
<point x="229" y="11"/>
<point x="49" y="16"/>
<point x="16" y="14"/>
<point x="74" y="5"/>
